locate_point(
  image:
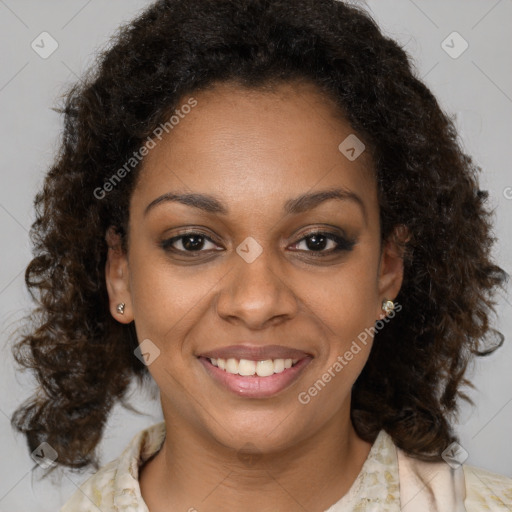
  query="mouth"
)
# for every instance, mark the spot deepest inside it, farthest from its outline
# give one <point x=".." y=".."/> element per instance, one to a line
<point x="252" y="372"/>
<point x="248" y="368"/>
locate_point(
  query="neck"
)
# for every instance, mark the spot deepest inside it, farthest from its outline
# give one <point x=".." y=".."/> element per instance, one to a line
<point x="194" y="472"/>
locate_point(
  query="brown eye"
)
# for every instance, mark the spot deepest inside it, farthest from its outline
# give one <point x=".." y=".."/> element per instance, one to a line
<point x="188" y="242"/>
<point x="318" y="242"/>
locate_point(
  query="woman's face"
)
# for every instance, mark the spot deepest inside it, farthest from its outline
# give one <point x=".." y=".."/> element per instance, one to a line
<point x="269" y="266"/>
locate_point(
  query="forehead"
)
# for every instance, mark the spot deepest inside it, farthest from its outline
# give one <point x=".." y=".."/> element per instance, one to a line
<point x="256" y="144"/>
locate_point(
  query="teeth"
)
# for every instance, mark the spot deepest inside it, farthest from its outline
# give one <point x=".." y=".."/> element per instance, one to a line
<point x="232" y="366"/>
<point x="247" y="368"/>
<point x="265" y="368"/>
<point x="278" y="365"/>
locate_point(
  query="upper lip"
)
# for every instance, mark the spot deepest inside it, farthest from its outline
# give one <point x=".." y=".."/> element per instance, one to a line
<point x="255" y="353"/>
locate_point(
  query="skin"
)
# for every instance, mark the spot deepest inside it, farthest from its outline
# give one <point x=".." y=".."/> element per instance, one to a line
<point x="253" y="150"/>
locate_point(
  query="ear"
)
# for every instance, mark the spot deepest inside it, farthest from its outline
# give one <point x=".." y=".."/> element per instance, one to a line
<point x="391" y="266"/>
<point x="117" y="277"/>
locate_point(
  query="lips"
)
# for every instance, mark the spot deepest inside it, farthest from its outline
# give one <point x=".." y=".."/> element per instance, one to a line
<point x="256" y="383"/>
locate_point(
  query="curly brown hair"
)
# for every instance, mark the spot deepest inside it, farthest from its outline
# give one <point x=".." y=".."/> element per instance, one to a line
<point x="83" y="359"/>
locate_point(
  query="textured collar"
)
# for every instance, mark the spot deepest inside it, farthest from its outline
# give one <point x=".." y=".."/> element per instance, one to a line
<point x="126" y="487"/>
<point x="376" y="488"/>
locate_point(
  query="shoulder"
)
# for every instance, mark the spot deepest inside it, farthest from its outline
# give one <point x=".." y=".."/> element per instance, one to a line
<point x="96" y="492"/>
<point x="487" y="491"/>
<point x="447" y="488"/>
<point x="116" y="484"/>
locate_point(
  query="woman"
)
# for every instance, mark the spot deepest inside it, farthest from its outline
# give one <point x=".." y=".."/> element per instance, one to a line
<point x="258" y="204"/>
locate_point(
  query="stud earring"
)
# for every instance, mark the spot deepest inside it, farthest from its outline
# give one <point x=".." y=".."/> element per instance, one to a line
<point x="388" y="306"/>
<point x="120" y="308"/>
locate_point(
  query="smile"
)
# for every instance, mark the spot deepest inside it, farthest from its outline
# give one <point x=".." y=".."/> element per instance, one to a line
<point x="254" y="379"/>
<point x="248" y="368"/>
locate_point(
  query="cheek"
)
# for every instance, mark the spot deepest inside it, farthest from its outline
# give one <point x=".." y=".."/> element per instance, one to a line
<point x="167" y="299"/>
<point x="343" y="305"/>
<point x="343" y="297"/>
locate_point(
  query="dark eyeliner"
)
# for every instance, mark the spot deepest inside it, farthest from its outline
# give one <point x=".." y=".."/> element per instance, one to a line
<point x="342" y="243"/>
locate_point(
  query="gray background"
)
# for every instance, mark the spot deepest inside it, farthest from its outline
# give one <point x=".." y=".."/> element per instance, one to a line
<point x="476" y="87"/>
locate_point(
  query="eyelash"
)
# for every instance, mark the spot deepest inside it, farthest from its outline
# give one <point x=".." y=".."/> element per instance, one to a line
<point x="343" y="244"/>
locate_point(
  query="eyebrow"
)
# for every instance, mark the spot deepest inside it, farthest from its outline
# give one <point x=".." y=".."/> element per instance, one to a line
<point x="300" y="204"/>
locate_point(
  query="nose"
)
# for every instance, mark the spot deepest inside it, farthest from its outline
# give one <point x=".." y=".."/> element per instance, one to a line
<point x="255" y="294"/>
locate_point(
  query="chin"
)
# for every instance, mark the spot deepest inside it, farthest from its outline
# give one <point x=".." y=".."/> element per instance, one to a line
<point x="265" y="430"/>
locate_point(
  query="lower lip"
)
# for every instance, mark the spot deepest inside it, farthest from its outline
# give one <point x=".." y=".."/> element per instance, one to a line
<point x="254" y="386"/>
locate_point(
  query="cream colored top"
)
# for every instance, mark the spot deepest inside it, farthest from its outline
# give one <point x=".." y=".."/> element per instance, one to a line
<point x="389" y="481"/>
